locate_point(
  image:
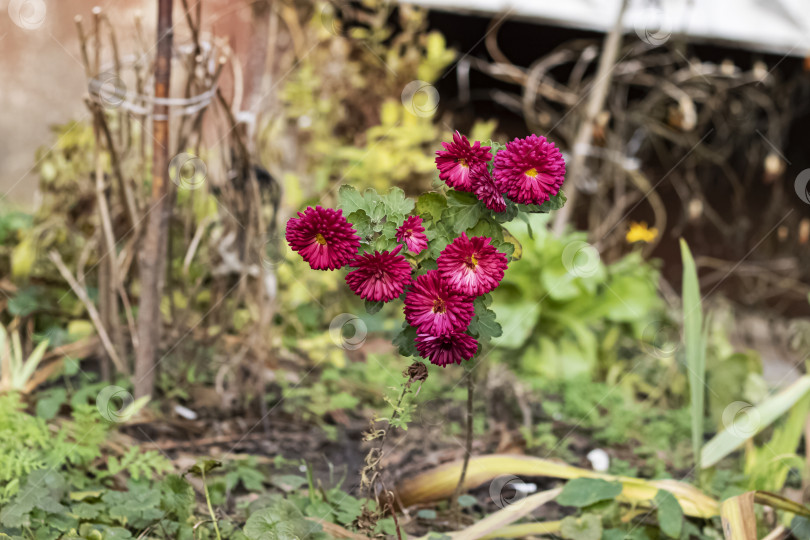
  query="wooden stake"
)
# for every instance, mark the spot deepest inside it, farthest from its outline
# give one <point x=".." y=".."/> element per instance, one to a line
<point x="152" y="256"/>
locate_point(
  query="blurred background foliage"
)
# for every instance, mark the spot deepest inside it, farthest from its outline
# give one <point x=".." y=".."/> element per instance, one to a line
<point x="591" y="344"/>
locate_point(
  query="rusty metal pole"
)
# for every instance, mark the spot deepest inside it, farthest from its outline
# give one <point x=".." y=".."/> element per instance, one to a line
<point x="152" y="254"/>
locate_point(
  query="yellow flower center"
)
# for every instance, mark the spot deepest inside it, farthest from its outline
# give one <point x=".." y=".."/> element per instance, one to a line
<point x="320" y="239"/>
<point x="463" y="163"/>
<point x="472" y="262"/>
<point x="531" y="172"/>
<point x="439" y="306"/>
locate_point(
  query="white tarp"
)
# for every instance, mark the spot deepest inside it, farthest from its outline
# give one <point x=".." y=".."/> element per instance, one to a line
<point x="777" y="26"/>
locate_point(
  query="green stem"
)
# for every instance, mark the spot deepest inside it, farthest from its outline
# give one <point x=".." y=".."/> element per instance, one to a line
<point x="467" y="447"/>
<point x="210" y="508"/>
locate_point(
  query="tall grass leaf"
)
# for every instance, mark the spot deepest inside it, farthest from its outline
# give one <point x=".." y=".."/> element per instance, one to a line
<point x="695" y="347"/>
<point x="765" y="414"/>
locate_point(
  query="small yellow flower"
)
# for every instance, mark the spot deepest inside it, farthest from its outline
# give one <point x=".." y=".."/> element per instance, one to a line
<point x="639" y="232"/>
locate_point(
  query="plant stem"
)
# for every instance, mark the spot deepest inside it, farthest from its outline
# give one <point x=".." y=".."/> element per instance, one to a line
<point x="210" y="508"/>
<point x="467" y="445"/>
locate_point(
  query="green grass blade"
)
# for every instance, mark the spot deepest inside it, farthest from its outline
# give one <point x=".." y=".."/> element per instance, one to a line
<point x="30" y="366"/>
<point x="695" y="348"/>
<point x="765" y="414"/>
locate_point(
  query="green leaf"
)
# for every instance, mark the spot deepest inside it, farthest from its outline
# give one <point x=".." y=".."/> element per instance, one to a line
<point x="177" y="496"/>
<point x="405" y="341"/>
<point x="507" y="215"/>
<point x="319" y="510"/>
<point x="431" y="205"/>
<point x="387" y="526"/>
<point x="85" y="510"/>
<point x="350" y="200"/>
<point x="489" y="228"/>
<point x="582" y="492"/>
<point x="466" y="500"/>
<point x="396" y="203"/>
<point x="137" y="507"/>
<point x="800" y="527"/>
<point x="764" y="413"/>
<point x="426" y="514"/>
<point x="116" y="533"/>
<point x="463" y="211"/>
<point x="617" y="534"/>
<point x="670" y="513"/>
<point x="483" y="325"/>
<point x="348" y="508"/>
<point x="553" y="203"/>
<point x="26" y="301"/>
<point x="362" y="223"/>
<point x="282" y="520"/>
<point x="695" y="347"/>
<point x="585" y="527"/>
<point x="376" y="214"/>
<point x="289" y="482"/>
<point x="373" y="307"/>
<point x="494" y="147"/>
<point x="50" y="401"/>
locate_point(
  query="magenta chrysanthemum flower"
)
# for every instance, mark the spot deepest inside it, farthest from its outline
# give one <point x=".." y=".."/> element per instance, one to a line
<point x="484" y="187"/>
<point x="446" y="349"/>
<point x="433" y="308"/>
<point x="455" y="161"/>
<point x="379" y="276"/>
<point x="413" y="234"/>
<point x="323" y="237"/>
<point x="471" y="266"/>
<point x="529" y="170"/>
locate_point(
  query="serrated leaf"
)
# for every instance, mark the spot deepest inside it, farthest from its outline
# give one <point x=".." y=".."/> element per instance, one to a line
<point x="350" y="200"/>
<point x="282" y="520"/>
<point x="361" y="222"/>
<point x="177" y="495"/>
<point x="396" y="203"/>
<point x="463" y="211"/>
<point x="483" y="325"/>
<point x="85" y="510"/>
<point x="431" y="205"/>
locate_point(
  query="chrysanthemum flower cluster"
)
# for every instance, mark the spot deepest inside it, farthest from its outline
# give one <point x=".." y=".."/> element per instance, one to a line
<point x="441" y="271"/>
<point x="527" y="171"/>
